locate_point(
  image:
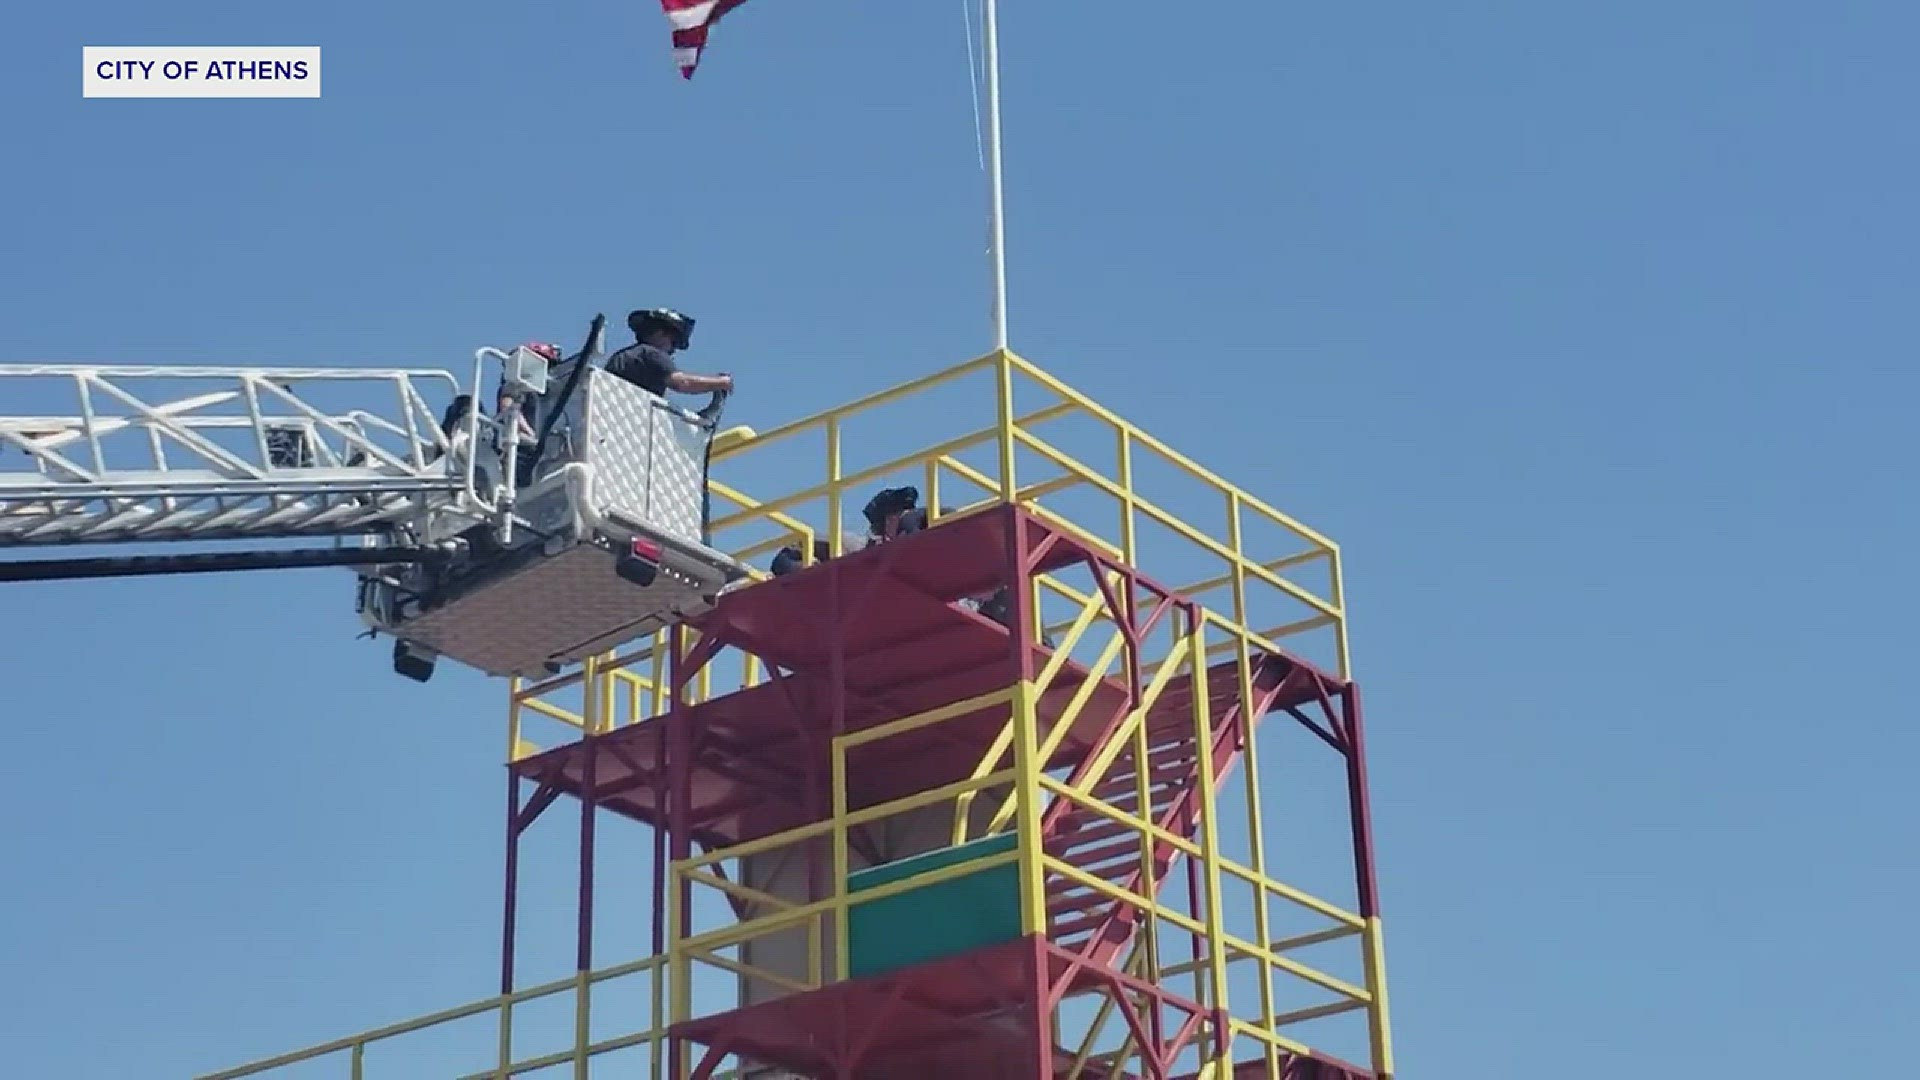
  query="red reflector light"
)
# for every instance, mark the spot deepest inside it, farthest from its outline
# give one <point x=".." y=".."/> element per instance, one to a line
<point x="646" y="549"/>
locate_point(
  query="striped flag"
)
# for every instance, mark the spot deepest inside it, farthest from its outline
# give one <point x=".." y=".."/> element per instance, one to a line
<point x="690" y="20"/>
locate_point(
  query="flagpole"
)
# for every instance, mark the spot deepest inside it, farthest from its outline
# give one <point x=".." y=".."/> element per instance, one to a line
<point x="997" y="247"/>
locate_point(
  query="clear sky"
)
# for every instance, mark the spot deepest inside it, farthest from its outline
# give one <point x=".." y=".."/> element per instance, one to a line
<point x="1587" y="332"/>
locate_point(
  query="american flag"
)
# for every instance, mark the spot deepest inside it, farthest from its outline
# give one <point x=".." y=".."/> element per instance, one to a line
<point x="690" y="20"/>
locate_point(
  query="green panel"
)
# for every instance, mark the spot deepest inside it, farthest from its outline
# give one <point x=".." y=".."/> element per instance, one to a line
<point x="934" y="921"/>
<point x="984" y="848"/>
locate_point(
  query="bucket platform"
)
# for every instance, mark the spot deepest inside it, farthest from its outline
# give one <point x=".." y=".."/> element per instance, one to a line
<point x="608" y="545"/>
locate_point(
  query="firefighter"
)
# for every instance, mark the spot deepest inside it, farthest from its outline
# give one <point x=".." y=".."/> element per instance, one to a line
<point x="893" y="512"/>
<point x="658" y="333"/>
<point x="896" y="512"/>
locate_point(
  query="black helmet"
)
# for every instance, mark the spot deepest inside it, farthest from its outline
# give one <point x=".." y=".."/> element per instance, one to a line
<point x="680" y="326"/>
<point x="900" y="500"/>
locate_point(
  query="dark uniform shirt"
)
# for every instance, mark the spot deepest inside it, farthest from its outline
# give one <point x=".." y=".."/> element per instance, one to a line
<point x="647" y="366"/>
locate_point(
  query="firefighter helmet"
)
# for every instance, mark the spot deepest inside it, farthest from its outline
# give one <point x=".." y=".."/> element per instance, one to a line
<point x="680" y="326"/>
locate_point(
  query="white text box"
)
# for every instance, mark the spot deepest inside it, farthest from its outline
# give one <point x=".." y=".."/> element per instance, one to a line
<point x="201" y="71"/>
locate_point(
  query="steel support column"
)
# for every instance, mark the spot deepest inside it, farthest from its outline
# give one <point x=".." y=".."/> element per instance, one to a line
<point x="589" y="794"/>
<point x="511" y="903"/>
<point x="679" y="824"/>
<point x="1354" y="733"/>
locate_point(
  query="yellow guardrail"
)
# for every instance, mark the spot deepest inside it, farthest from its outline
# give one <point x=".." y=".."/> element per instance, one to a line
<point x="749" y="526"/>
<point x="582" y="1050"/>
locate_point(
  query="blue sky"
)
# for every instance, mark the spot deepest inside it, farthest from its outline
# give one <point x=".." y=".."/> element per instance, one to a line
<point x="1585" y="332"/>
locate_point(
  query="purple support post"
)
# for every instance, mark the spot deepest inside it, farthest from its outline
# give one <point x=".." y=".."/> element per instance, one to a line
<point x="679" y="808"/>
<point x="660" y="875"/>
<point x="513" y="881"/>
<point x="845" y="1055"/>
<point x="1137" y="646"/>
<point x="711" y="1059"/>
<point x="1195" y="894"/>
<point x="588" y="791"/>
<point x="819" y="753"/>
<point x="1042" y="1008"/>
<point x="1358" y="802"/>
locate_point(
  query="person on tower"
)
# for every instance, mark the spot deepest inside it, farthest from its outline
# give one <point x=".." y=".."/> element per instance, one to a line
<point x="658" y="333"/>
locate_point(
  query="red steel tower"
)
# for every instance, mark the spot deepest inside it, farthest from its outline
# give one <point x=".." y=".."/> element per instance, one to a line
<point x="989" y="799"/>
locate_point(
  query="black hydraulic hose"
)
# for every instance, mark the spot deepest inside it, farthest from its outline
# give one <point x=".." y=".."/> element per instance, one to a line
<point x="710" y="415"/>
<point x="596" y="339"/>
<point x="208" y="562"/>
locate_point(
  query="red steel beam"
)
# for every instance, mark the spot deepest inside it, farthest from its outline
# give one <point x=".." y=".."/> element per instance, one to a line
<point x="1358" y="802"/>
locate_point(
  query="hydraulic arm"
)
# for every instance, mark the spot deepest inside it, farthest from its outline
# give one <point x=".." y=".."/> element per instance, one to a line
<point x="138" y="454"/>
<point x="569" y="520"/>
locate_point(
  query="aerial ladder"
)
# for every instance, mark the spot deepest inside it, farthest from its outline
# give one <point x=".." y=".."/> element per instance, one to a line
<point x="570" y="520"/>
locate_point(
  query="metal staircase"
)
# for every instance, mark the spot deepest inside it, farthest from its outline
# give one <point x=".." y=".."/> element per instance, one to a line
<point x="1087" y="920"/>
<point x="1082" y="916"/>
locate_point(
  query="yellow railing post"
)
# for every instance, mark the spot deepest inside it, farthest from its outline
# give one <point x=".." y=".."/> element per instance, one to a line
<point x="662" y="641"/>
<point x="1003" y="395"/>
<point x="1373" y="945"/>
<point x="842" y="947"/>
<point x="609" y="685"/>
<point x="582" y="1023"/>
<point x="1210" y="837"/>
<point x="932" y="480"/>
<point x="1243" y="668"/>
<point x="589" y="696"/>
<point x="1337" y="587"/>
<point x="681" y="974"/>
<point x="1026" y="765"/>
<point x="1128" y="550"/>
<point x="506" y="1036"/>
<point x="1149" y="879"/>
<point x="513" y="719"/>
<point x="836" y="525"/>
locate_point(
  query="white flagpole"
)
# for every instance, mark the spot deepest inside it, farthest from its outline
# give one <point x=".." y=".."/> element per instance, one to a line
<point x="997" y="247"/>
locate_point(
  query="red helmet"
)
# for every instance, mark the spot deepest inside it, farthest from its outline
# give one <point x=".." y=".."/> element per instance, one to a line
<point x="549" y="353"/>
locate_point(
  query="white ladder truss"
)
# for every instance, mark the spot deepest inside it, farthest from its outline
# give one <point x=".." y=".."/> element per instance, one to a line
<point x="145" y="454"/>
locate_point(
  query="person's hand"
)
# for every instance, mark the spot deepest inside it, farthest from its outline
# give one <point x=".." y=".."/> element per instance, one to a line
<point x="726" y="382"/>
